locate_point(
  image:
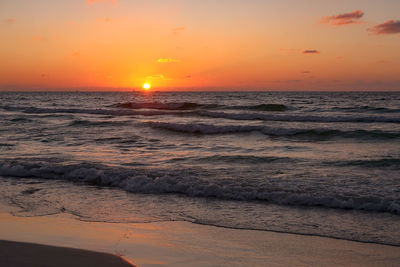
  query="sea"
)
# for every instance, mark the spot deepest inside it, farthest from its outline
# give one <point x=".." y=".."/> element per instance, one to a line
<point x="309" y="163"/>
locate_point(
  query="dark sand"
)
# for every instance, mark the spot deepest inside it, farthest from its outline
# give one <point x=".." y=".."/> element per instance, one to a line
<point x="14" y="254"/>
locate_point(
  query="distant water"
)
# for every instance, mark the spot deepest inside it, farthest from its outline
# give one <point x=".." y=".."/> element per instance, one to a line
<point x="323" y="164"/>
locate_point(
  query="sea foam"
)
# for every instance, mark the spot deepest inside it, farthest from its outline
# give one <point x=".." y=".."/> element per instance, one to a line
<point x="191" y="183"/>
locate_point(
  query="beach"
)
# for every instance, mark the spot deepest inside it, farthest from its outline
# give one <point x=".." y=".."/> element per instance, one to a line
<point x="28" y="254"/>
<point x="204" y="179"/>
<point x="177" y="244"/>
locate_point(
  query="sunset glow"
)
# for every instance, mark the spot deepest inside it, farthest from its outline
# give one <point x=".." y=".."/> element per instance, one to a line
<point x="200" y="45"/>
<point x="146" y="86"/>
<point x="199" y="133"/>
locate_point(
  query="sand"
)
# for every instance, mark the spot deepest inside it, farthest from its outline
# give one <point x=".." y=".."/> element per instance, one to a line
<point x="177" y="244"/>
<point x="14" y="254"/>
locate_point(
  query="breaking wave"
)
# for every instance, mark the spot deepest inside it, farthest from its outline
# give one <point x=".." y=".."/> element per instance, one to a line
<point x="200" y="128"/>
<point x="191" y="183"/>
<point x="159" y="109"/>
<point x="298" y="118"/>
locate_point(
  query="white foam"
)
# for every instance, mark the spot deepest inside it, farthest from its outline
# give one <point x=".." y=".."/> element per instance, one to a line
<point x="181" y="181"/>
<point x="298" y="118"/>
<point x="201" y="128"/>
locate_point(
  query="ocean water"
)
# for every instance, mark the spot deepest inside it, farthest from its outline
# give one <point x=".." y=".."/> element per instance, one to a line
<point x="325" y="164"/>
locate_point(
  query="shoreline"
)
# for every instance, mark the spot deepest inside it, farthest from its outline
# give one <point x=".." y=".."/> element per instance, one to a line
<point x="184" y="243"/>
<point x="301" y="234"/>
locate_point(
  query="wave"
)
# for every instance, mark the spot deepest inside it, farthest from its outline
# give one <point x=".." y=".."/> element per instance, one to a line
<point x="111" y="112"/>
<point x="297" y="118"/>
<point x="367" y="109"/>
<point x="200" y="128"/>
<point x="264" y="107"/>
<point x="244" y="159"/>
<point x="198" y="184"/>
<point x="85" y="123"/>
<point x="192" y="106"/>
<point x="6" y="145"/>
<point x="186" y="110"/>
<point x="373" y="163"/>
<point x="162" y="106"/>
<point x="21" y="120"/>
<point x="190" y="109"/>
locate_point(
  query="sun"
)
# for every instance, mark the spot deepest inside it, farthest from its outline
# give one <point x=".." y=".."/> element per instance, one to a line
<point x="146" y="86"/>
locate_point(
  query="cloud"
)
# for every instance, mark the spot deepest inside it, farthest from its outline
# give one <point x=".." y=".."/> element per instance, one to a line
<point x="306" y="72"/>
<point x="168" y="60"/>
<point x="156" y="76"/>
<point x="344" y="19"/>
<point x="310" y="52"/>
<point x="306" y="51"/>
<point x="94" y="1"/>
<point x="178" y="30"/>
<point x="389" y="27"/>
<point x="10" y="20"/>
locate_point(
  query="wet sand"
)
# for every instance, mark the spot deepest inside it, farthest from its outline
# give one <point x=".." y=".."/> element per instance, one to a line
<point x="177" y="244"/>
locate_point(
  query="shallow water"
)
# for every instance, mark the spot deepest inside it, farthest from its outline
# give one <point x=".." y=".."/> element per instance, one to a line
<point x="312" y="163"/>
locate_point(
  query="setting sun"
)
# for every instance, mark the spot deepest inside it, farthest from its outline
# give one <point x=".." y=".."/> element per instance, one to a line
<point x="146" y="86"/>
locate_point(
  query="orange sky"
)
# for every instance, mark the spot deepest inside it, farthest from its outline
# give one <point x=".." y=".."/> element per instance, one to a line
<point x="200" y="45"/>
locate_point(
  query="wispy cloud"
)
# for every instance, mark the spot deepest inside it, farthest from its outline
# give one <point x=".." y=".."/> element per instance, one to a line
<point x="310" y="52"/>
<point x="306" y="72"/>
<point x="168" y="60"/>
<point x="10" y="20"/>
<point x="178" y="30"/>
<point x="389" y="27"/>
<point x="156" y="76"/>
<point x="344" y="19"/>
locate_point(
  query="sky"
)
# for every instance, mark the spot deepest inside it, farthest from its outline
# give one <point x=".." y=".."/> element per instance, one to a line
<point x="340" y="45"/>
